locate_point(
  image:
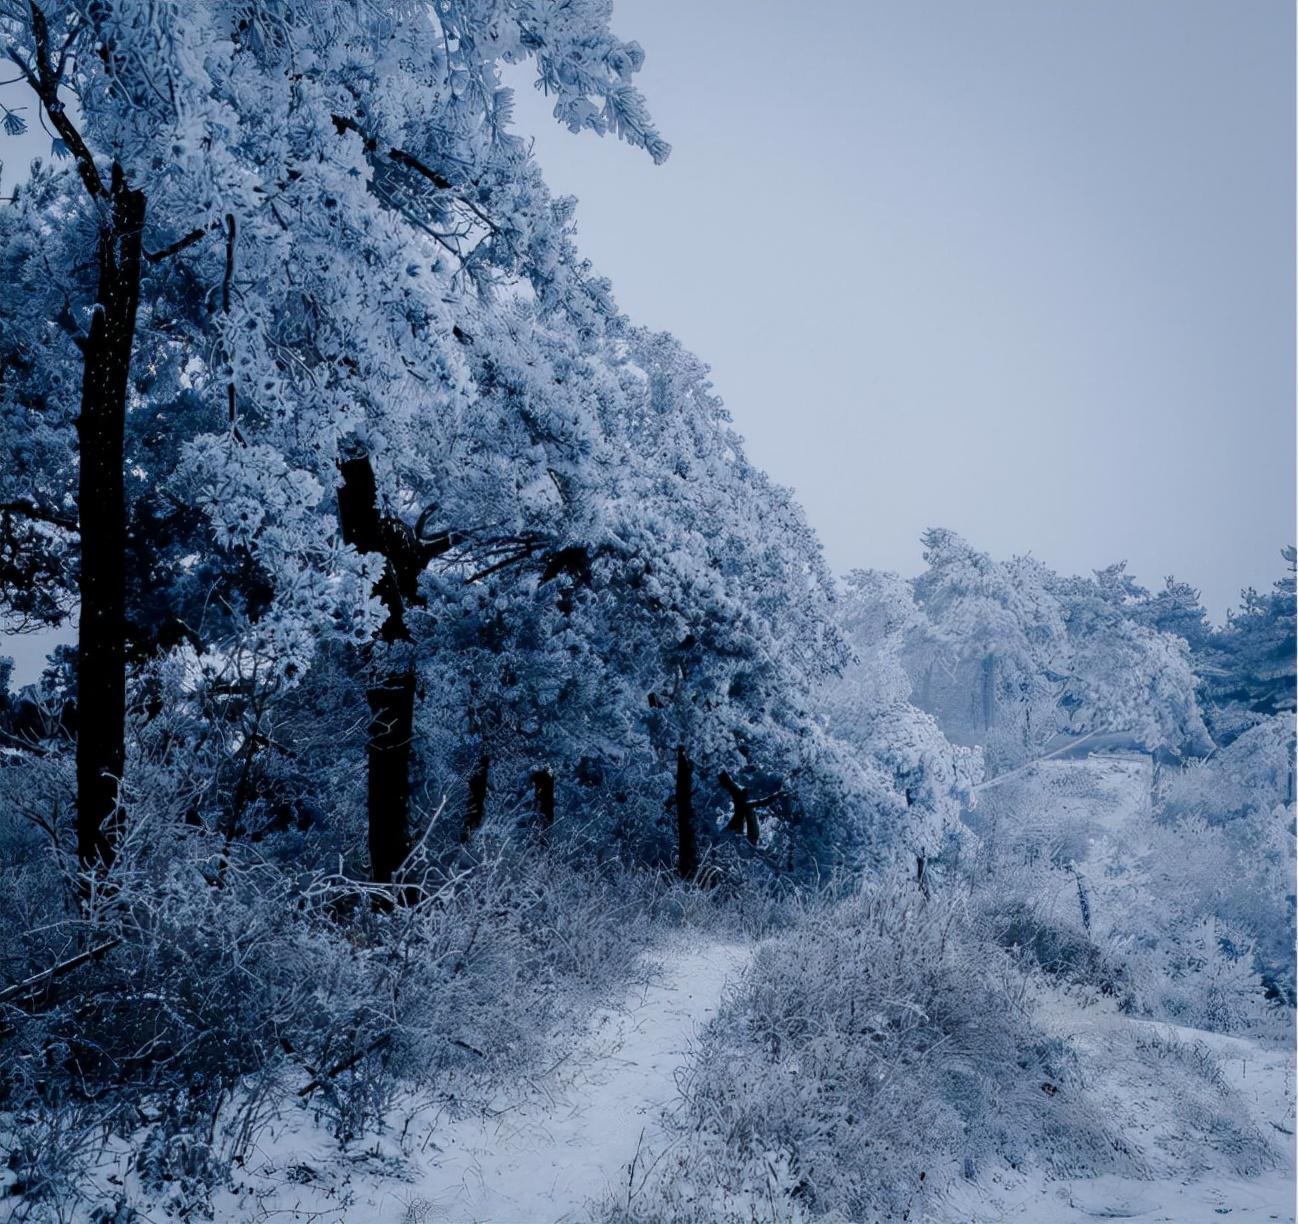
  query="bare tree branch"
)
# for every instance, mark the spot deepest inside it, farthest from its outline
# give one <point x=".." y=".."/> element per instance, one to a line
<point x="45" y="80"/>
<point x="176" y="247"/>
<point x="32" y="984"/>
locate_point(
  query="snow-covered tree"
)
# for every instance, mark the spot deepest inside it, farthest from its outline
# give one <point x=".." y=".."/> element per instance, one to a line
<point x="327" y="188"/>
<point x="1010" y="654"/>
<point x="1249" y="663"/>
<point x="661" y="610"/>
<point x="1123" y="676"/>
<point x="991" y="652"/>
<point x="923" y="781"/>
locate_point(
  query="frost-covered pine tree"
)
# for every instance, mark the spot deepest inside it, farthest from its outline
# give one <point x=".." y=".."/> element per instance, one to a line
<point x="991" y="651"/>
<point x="331" y="191"/>
<point x="1126" y="677"/>
<point x="922" y="782"/>
<point x="1249" y="663"/>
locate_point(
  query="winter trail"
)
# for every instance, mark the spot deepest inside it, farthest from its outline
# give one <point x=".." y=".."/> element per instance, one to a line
<point x="543" y="1152"/>
<point x="543" y="1161"/>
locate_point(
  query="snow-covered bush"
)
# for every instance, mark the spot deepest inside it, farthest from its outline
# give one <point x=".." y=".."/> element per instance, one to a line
<point x="1203" y="977"/>
<point x="1199" y="889"/>
<point x="1250" y="777"/>
<point x="872" y="1053"/>
<point x="1027" y="871"/>
<point x="1081" y="871"/>
<point x="221" y="985"/>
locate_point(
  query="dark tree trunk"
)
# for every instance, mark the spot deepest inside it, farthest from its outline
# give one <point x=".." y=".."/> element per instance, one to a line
<point x="392" y="717"/>
<point x="743" y="818"/>
<point x="687" y="861"/>
<point x="1083" y="899"/>
<point x="391" y="697"/>
<point x="101" y="502"/>
<point x="543" y="791"/>
<point x="475" y="810"/>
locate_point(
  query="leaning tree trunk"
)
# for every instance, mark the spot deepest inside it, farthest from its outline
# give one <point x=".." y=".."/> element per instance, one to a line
<point x="101" y="504"/>
<point x="687" y="861"/>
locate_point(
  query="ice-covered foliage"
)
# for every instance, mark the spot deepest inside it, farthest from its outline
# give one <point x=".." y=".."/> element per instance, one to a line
<point x="1125" y="676"/>
<point x="1010" y="654"/>
<point x="871" y="1055"/>
<point x="334" y="202"/>
<point x="922" y="782"/>
<point x="1249" y="665"/>
<point x="991" y="648"/>
<point x="685" y="604"/>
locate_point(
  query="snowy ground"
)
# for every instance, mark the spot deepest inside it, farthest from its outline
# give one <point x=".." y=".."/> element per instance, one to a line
<point x="1140" y="1094"/>
<point x="586" y="1127"/>
<point x="1262" y="1074"/>
<point x="1124" y="778"/>
<point x="564" y="1139"/>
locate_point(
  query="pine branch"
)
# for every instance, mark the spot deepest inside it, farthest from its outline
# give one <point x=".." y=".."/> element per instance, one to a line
<point x="176" y="247"/>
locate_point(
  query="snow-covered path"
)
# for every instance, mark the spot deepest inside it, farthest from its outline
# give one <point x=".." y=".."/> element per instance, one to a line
<point x="545" y="1159"/>
<point x="546" y="1149"/>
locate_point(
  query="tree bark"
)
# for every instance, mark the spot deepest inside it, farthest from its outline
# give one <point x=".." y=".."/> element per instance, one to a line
<point x="475" y="810"/>
<point x="387" y="754"/>
<point x="391" y="698"/>
<point x="101" y="501"/>
<point x="743" y="818"/>
<point x="687" y="861"/>
<point x="543" y="790"/>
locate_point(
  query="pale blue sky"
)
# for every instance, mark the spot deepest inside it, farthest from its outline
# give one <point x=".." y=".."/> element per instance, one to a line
<point x="1023" y="268"/>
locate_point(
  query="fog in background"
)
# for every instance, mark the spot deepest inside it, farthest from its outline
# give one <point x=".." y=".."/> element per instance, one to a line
<point x="1023" y="268"/>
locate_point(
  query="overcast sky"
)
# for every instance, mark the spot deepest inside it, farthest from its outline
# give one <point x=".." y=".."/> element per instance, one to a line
<point x="1022" y="268"/>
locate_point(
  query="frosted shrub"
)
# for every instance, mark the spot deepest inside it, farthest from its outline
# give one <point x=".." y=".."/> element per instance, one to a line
<point x="230" y="988"/>
<point x="1249" y="777"/>
<point x="871" y="1054"/>
<point x="1203" y="977"/>
<point x="1055" y="942"/>
<point x="1224" y="847"/>
<point x="48" y="1144"/>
